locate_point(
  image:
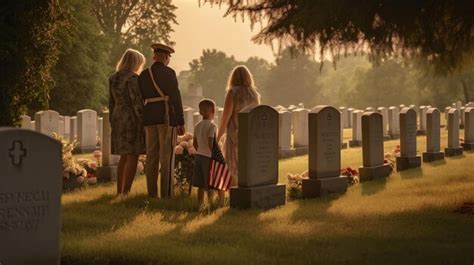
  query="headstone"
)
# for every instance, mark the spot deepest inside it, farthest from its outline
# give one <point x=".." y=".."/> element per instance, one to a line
<point x="412" y="107"/>
<point x="408" y="154"/>
<point x="26" y="122"/>
<point x="454" y="148"/>
<point x="61" y="128"/>
<point x="73" y="127"/>
<point x="343" y="145"/>
<point x="344" y="117"/>
<point x="258" y="160"/>
<point x="422" y="112"/>
<point x="196" y="118"/>
<point x="470" y="104"/>
<point x="369" y="109"/>
<point x="384" y="112"/>
<point x="372" y="148"/>
<point x="47" y="122"/>
<point x="349" y="117"/>
<point x="67" y="127"/>
<point x="458" y="105"/>
<point x="285" y="149"/>
<point x="461" y="117"/>
<point x="356" y="129"/>
<point x="100" y="125"/>
<point x="188" y="119"/>
<point x="108" y="170"/>
<point x="30" y="197"/>
<point x="300" y="129"/>
<point x="393" y="122"/>
<point x="446" y="111"/>
<point x="324" y="154"/>
<point x="401" y="106"/>
<point x="468" y="144"/>
<point x="87" y="130"/>
<point x="433" y="137"/>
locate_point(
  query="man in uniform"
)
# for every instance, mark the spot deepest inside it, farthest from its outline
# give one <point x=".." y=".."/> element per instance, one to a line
<point x="163" y="120"/>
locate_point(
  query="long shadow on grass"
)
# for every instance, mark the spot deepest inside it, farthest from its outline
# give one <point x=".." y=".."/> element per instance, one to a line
<point x="372" y="187"/>
<point x="412" y="173"/>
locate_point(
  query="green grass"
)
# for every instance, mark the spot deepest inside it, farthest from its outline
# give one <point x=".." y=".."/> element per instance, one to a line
<point x="409" y="218"/>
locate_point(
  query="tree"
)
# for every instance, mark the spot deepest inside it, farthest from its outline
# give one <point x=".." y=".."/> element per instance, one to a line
<point x="28" y="51"/>
<point x="293" y="80"/>
<point x="211" y="72"/>
<point x="82" y="69"/>
<point x="135" y="23"/>
<point x="439" y="31"/>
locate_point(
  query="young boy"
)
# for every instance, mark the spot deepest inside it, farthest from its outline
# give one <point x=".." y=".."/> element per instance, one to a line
<point x="204" y="133"/>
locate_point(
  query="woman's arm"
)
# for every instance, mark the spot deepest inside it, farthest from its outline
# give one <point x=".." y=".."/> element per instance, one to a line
<point x="228" y="109"/>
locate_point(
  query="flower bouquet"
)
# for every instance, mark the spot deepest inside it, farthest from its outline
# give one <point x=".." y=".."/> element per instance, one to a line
<point x="295" y="185"/>
<point x="351" y="174"/>
<point x="184" y="163"/>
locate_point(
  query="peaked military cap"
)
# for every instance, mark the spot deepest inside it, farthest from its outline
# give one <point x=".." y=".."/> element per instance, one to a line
<point x="158" y="47"/>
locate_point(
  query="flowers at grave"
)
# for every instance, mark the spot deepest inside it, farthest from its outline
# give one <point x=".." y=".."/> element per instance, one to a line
<point x="141" y="164"/>
<point x="389" y="159"/>
<point x="295" y="184"/>
<point x="396" y="151"/>
<point x="184" y="161"/>
<point x="351" y="174"/>
<point x="461" y="140"/>
<point x="98" y="157"/>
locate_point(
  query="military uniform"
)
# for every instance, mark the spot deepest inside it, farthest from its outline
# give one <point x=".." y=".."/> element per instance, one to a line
<point x="163" y="112"/>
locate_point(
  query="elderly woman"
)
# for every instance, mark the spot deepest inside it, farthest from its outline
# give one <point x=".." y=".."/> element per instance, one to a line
<point x="126" y="117"/>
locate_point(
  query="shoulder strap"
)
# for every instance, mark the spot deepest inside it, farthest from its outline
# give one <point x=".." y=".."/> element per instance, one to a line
<point x="155" y="84"/>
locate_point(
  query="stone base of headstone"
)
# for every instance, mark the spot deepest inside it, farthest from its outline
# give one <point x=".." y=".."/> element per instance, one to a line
<point x="344" y="146"/>
<point x="407" y="162"/>
<point x="355" y="143"/>
<point x="420" y="132"/>
<point x="443" y="126"/>
<point x="260" y="197"/>
<point x="432" y="156"/>
<point x="84" y="150"/>
<point x="453" y="151"/>
<point x="106" y="173"/>
<point x="461" y="126"/>
<point x="302" y="150"/>
<point x="468" y="146"/>
<point x="312" y="188"/>
<point x="370" y="173"/>
<point x="387" y="137"/>
<point x="285" y="153"/>
<point x="395" y="136"/>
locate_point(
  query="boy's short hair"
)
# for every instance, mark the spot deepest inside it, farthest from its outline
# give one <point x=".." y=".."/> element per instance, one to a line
<point x="206" y="105"/>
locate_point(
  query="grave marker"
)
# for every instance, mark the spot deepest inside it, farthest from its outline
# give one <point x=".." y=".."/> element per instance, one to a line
<point x="408" y="154"/>
<point x="454" y="148"/>
<point x="433" y="137"/>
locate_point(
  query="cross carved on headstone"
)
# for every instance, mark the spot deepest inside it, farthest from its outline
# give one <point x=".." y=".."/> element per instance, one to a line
<point x="17" y="153"/>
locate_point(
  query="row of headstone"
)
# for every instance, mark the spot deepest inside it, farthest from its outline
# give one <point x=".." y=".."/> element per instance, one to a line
<point x="86" y="127"/>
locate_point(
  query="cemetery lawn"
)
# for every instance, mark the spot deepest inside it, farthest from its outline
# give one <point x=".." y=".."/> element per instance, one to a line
<point x="409" y="218"/>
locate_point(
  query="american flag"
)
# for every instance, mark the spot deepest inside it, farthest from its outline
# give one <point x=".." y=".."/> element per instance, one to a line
<point x="219" y="177"/>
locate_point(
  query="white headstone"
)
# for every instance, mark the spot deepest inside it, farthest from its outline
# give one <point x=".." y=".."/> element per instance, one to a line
<point x="453" y="128"/>
<point x="300" y="127"/>
<point x="47" y="122"/>
<point x="344" y="117"/>
<point x="422" y="113"/>
<point x="26" y="122"/>
<point x="469" y="126"/>
<point x="357" y="125"/>
<point x="408" y="130"/>
<point x="349" y="117"/>
<point x="384" y="112"/>
<point x="87" y="130"/>
<point x="73" y="127"/>
<point x="285" y="130"/>
<point x="433" y="130"/>
<point x="393" y="121"/>
<point x="30" y="197"/>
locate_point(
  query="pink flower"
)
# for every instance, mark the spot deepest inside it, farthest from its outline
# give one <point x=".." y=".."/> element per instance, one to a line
<point x="190" y="144"/>
<point x="188" y="136"/>
<point x="80" y="179"/>
<point x="92" y="165"/>
<point x="184" y="144"/>
<point x="178" y="150"/>
<point x="140" y="167"/>
<point x="97" y="154"/>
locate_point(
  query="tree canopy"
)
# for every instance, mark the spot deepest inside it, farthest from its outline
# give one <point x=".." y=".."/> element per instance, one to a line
<point x="440" y="31"/>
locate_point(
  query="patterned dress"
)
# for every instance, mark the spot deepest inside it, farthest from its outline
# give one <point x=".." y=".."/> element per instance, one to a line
<point x="126" y="114"/>
<point x="242" y="97"/>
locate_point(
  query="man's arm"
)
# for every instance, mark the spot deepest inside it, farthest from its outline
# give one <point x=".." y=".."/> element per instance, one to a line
<point x="176" y="104"/>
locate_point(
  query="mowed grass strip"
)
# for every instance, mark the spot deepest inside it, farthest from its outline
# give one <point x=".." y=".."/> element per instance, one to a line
<point x="408" y="218"/>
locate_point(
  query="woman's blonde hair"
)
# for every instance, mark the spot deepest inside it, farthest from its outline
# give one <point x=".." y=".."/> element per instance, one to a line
<point x="132" y="61"/>
<point x="240" y="77"/>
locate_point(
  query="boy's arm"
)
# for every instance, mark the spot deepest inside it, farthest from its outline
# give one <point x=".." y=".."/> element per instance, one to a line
<point x="195" y="143"/>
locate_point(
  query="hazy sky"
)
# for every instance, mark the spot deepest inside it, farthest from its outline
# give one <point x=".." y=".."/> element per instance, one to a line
<point x="205" y="27"/>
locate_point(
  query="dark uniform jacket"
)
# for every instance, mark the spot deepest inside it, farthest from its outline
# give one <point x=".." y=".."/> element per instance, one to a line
<point x="154" y="113"/>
